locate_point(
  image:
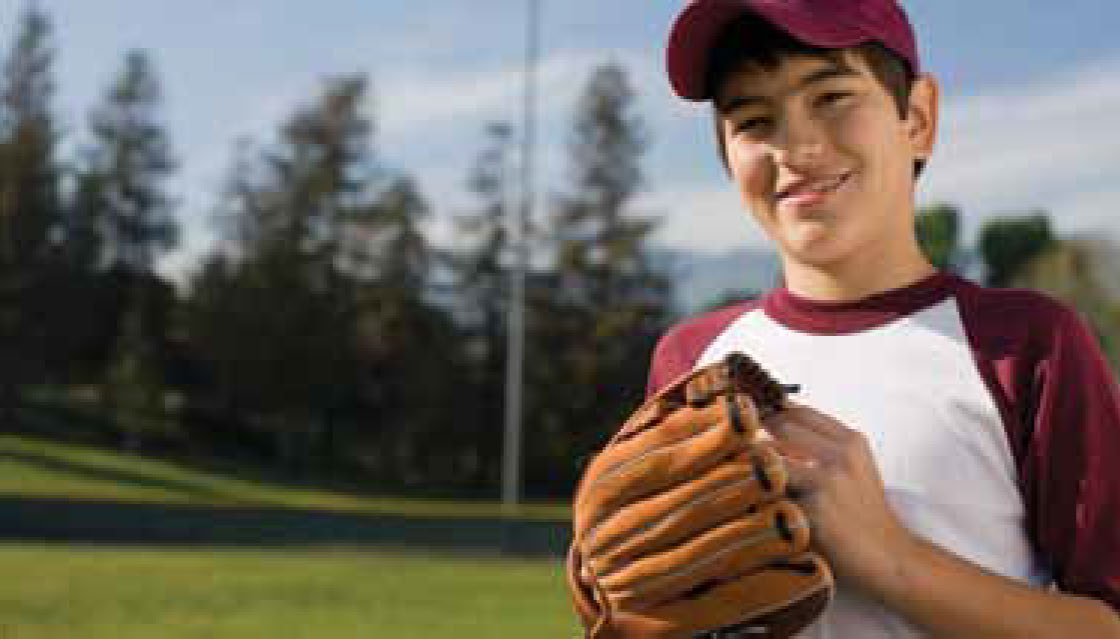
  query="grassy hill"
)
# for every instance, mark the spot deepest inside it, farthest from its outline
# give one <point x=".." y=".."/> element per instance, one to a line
<point x="39" y="467"/>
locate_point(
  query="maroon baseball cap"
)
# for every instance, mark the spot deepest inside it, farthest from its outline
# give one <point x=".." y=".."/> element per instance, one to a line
<point x="834" y="24"/>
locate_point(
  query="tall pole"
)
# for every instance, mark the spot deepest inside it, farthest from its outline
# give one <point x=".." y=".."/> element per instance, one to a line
<point x="515" y="353"/>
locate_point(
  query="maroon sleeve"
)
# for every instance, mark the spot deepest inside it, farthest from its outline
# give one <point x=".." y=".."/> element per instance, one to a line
<point x="1072" y="462"/>
<point x="1060" y="402"/>
<point x="677" y="351"/>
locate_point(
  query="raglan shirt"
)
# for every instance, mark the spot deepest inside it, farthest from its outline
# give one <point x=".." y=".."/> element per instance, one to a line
<point x="992" y="416"/>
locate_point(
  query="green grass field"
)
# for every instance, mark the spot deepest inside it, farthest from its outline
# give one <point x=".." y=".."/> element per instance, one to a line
<point x="94" y="593"/>
<point x="57" y="591"/>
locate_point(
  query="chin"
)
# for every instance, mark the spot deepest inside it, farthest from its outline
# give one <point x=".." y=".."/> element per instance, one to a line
<point x="817" y="249"/>
<point x="812" y="237"/>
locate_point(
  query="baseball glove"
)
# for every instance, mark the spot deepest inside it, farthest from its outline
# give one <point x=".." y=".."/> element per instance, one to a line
<point x="683" y="527"/>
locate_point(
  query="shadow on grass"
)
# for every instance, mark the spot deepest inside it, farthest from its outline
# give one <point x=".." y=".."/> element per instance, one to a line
<point x="107" y="522"/>
<point x="61" y="425"/>
<point x="94" y="472"/>
<point x="242" y="525"/>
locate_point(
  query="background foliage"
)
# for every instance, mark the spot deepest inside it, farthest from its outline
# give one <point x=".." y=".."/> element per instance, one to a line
<point x="326" y="334"/>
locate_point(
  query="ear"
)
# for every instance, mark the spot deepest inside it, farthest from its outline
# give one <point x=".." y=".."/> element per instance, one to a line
<point x="921" y="118"/>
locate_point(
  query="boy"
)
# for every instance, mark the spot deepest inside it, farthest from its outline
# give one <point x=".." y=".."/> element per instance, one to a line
<point x="956" y="449"/>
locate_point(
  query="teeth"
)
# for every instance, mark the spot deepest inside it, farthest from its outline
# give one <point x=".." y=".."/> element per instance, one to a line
<point x="825" y="185"/>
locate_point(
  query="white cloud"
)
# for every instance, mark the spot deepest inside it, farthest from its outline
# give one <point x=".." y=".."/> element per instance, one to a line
<point x="1054" y="145"/>
<point x="707" y="218"/>
<point x="1091" y="211"/>
<point x="408" y="101"/>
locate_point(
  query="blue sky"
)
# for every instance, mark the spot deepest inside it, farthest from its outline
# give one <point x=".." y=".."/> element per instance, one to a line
<point x="1031" y="110"/>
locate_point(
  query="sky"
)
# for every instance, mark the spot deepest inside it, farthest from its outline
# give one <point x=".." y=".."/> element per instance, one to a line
<point x="1030" y="98"/>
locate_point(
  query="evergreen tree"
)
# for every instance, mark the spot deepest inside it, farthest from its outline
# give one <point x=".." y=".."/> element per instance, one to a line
<point x="29" y="207"/>
<point x="595" y="321"/>
<point x="123" y="185"/>
<point x="412" y="356"/>
<point x="314" y="321"/>
<point x="133" y="387"/>
<point x="270" y="318"/>
<point x="122" y="218"/>
<point x="599" y="239"/>
<point x="28" y="169"/>
<point x="482" y="276"/>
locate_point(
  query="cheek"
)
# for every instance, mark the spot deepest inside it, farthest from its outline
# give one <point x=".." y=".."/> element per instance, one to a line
<point x="753" y="171"/>
<point x="882" y="146"/>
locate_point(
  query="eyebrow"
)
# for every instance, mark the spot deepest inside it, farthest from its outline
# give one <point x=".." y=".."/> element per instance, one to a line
<point x="827" y="73"/>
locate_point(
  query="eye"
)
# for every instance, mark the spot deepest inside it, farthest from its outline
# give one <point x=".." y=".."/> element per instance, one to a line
<point x="832" y="97"/>
<point x="752" y="125"/>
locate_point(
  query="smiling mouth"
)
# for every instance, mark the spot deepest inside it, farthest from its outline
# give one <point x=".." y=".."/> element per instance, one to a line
<point x="812" y="193"/>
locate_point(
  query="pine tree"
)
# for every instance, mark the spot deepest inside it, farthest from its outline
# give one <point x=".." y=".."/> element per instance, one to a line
<point x="598" y="317"/>
<point x="301" y="316"/>
<point x="29" y="206"/>
<point x="271" y="315"/>
<point x="133" y="387"/>
<point x="121" y="210"/>
<point x="28" y="169"/>
<point x="482" y="277"/>
<point x="124" y="180"/>
<point x="600" y="251"/>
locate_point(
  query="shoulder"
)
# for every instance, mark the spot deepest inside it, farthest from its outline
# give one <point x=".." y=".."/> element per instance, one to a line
<point x="1024" y="340"/>
<point x="679" y="348"/>
<point x="1017" y="305"/>
<point x="1017" y="318"/>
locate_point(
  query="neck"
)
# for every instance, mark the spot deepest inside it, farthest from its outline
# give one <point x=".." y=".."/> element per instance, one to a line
<point x="857" y="277"/>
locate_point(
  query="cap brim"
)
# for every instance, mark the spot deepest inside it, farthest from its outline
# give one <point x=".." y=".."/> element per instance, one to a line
<point x="697" y="27"/>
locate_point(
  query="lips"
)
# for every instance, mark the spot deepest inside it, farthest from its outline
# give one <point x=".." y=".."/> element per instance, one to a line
<point x="812" y="189"/>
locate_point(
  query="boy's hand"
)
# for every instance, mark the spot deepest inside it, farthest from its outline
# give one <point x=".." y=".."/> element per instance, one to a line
<point x="836" y="481"/>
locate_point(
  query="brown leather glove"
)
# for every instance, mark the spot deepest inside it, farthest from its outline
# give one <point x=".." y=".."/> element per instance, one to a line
<point x="683" y="527"/>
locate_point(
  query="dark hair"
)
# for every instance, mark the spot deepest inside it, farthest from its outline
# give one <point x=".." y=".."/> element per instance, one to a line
<point x="768" y="45"/>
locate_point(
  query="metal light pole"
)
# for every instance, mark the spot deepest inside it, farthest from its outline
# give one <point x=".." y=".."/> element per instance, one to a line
<point x="515" y="353"/>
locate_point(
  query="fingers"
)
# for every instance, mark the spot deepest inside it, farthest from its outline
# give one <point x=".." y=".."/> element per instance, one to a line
<point x="815" y="447"/>
<point x="797" y="419"/>
<point x="804" y="477"/>
<point x="803" y="433"/>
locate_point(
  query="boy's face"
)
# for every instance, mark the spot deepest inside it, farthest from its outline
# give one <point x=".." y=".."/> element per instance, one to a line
<point x="822" y="157"/>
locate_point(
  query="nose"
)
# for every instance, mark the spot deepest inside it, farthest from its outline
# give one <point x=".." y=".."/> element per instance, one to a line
<point x="798" y="144"/>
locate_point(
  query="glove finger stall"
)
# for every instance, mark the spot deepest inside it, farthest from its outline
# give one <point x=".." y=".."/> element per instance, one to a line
<point x="653" y="471"/>
<point x="700" y="389"/>
<point x="740" y="485"/>
<point x="775" y="601"/>
<point x="678" y="426"/>
<point x="745" y="544"/>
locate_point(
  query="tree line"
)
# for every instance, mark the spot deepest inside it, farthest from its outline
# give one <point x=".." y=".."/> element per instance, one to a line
<point x="325" y="331"/>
